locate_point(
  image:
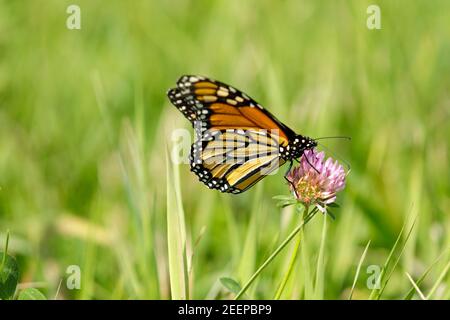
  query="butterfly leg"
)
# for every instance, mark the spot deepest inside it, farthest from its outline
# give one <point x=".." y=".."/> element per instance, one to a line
<point x="289" y="181"/>
<point x="307" y="160"/>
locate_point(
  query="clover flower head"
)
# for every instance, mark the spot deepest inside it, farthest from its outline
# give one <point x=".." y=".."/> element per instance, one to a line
<point x="315" y="181"/>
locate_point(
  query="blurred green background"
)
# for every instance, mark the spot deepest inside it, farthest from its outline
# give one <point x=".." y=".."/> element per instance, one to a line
<point x="85" y="125"/>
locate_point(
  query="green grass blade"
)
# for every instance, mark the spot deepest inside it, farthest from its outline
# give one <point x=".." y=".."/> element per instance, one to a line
<point x="358" y="269"/>
<point x="438" y="281"/>
<point x="410" y="293"/>
<point x="379" y="292"/>
<point x="249" y="249"/>
<point x="5" y="251"/>
<point x="320" y="269"/>
<point x="273" y="255"/>
<point x="416" y="287"/>
<point x="176" y="237"/>
<point x="290" y="267"/>
<point x="391" y="253"/>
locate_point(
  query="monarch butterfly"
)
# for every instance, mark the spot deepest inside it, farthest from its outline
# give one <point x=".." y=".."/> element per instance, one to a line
<point x="238" y="141"/>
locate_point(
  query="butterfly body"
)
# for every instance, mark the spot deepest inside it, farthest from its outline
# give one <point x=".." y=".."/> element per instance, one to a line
<point x="238" y="141"/>
<point x="296" y="147"/>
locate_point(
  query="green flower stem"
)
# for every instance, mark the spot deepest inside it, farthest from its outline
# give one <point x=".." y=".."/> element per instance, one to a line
<point x="274" y="254"/>
<point x="288" y="272"/>
<point x="292" y="261"/>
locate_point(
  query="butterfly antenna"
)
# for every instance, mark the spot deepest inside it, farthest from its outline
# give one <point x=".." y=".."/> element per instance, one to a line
<point x="334" y="137"/>
<point x="347" y="164"/>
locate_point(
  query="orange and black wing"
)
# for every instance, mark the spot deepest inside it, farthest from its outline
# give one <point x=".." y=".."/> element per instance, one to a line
<point x="216" y="105"/>
<point x="234" y="160"/>
<point x="237" y="140"/>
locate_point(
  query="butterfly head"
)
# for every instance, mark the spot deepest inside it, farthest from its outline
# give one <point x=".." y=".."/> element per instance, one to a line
<point x="297" y="146"/>
<point x="304" y="143"/>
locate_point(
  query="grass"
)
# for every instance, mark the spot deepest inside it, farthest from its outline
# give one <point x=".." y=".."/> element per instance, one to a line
<point x="176" y="237"/>
<point x="85" y="126"/>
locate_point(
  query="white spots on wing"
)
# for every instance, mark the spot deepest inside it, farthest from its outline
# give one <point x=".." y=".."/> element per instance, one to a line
<point x="222" y="93"/>
<point x="209" y="98"/>
<point x="232" y="102"/>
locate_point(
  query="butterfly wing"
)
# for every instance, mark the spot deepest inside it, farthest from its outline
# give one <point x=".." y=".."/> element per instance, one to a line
<point x="220" y="106"/>
<point x="237" y="139"/>
<point x="234" y="160"/>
